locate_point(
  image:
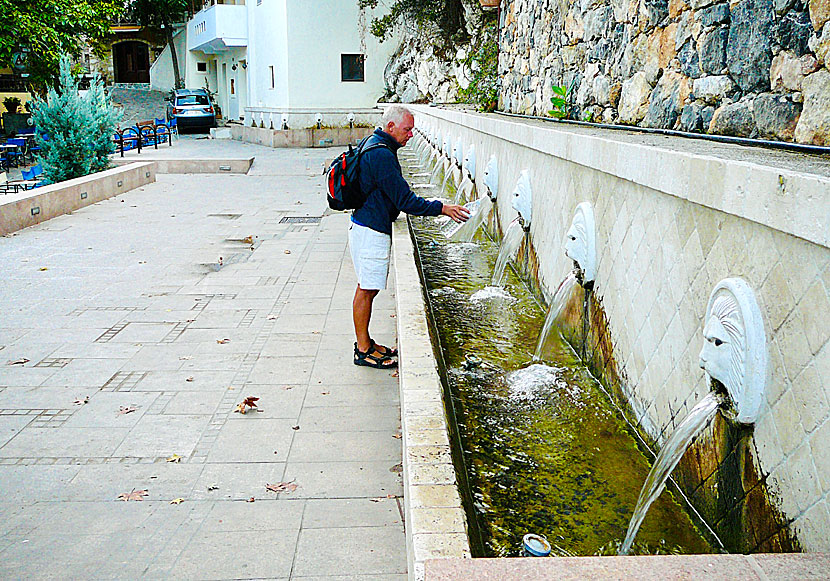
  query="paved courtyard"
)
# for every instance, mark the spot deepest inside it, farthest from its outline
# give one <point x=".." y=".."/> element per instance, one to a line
<point x="129" y="333"/>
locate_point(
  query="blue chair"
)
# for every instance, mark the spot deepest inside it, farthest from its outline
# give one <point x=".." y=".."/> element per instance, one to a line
<point x="173" y="125"/>
<point x="17" y="156"/>
<point x="37" y="170"/>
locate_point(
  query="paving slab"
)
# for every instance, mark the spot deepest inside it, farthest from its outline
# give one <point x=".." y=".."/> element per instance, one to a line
<point x="160" y="311"/>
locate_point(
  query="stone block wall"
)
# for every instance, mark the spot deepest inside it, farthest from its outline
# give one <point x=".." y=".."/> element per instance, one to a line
<point x="671" y="223"/>
<point x="750" y="68"/>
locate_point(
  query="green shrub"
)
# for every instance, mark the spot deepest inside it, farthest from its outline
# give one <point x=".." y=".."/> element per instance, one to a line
<point x="560" y="102"/>
<point x="79" y="129"/>
<point x="483" y="61"/>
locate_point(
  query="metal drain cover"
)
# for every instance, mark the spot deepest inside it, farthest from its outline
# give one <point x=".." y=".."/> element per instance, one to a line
<point x="300" y="220"/>
<point x="226" y="216"/>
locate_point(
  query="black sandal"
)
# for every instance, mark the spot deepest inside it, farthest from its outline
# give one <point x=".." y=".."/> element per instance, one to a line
<point x="383" y="350"/>
<point x="367" y="359"/>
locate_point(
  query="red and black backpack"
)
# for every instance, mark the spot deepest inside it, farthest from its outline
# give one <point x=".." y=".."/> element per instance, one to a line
<point x="343" y="191"/>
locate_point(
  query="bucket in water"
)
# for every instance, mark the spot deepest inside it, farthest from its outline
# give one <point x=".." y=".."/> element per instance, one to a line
<point x="535" y="546"/>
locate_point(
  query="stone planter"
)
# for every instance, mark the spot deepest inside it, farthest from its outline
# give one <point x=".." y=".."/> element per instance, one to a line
<point x="15" y="122"/>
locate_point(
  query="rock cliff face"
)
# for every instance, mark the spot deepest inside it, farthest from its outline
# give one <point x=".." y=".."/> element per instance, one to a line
<point x="424" y="70"/>
<point x="749" y="68"/>
<point x="752" y="68"/>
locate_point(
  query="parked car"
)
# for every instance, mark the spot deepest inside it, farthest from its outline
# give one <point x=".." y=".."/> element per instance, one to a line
<point x="191" y="108"/>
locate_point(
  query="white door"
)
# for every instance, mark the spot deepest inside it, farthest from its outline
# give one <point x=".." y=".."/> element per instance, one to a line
<point x="233" y="94"/>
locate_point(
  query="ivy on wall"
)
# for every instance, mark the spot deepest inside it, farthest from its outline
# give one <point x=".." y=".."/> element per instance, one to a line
<point x="483" y="62"/>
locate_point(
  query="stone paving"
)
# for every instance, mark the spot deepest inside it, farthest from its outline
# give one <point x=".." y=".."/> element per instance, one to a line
<point x="163" y="309"/>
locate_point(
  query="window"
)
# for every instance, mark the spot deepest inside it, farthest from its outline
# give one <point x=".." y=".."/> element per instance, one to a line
<point x="192" y="100"/>
<point x="271" y="69"/>
<point x="351" y="67"/>
<point x="201" y="67"/>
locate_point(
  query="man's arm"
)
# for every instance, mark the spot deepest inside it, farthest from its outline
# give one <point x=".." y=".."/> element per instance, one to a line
<point x="393" y="185"/>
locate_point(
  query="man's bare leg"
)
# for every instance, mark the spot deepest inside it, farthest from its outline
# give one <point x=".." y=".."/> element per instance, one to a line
<point x="362" y="313"/>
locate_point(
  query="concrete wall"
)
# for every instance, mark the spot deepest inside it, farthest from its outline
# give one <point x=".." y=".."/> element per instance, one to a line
<point x="27" y="208"/>
<point x="672" y="221"/>
<point x="326" y="137"/>
<point x="161" y="70"/>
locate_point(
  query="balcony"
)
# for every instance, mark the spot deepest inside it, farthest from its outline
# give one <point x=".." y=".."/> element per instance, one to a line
<point x="217" y="28"/>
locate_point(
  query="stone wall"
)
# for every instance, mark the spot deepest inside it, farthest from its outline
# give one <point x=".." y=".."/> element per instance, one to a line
<point x="672" y="220"/>
<point x="751" y="68"/>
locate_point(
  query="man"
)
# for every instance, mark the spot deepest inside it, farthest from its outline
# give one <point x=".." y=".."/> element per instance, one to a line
<point x="370" y="230"/>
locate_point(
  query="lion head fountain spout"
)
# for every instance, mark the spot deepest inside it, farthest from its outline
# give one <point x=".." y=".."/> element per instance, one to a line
<point x="734" y="350"/>
<point x="491" y="178"/>
<point x="457" y="153"/>
<point x="581" y="246"/>
<point x="470" y="162"/>
<point x="523" y="199"/>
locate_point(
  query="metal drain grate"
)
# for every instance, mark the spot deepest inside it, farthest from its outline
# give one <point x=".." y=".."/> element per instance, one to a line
<point x="226" y="216"/>
<point x="300" y="220"/>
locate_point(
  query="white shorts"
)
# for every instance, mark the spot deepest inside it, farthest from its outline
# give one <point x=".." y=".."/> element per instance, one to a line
<point x="370" y="256"/>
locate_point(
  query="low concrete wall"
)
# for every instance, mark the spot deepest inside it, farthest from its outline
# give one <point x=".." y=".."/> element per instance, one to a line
<point x="179" y="166"/>
<point x="27" y="208"/>
<point x="325" y="137"/>
<point x="672" y="220"/>
<point x="436" y="524"/>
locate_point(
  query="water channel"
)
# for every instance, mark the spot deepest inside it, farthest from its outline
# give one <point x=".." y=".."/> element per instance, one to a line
<point x="542" y="449"/>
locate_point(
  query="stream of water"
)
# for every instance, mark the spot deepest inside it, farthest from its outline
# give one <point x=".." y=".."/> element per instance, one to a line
<point x="509" y="248"/>
<point x="557" y="305"/>
<point x="670" y="454"/>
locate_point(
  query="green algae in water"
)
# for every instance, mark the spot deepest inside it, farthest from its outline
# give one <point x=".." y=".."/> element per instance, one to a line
<point x="544" y="449"/>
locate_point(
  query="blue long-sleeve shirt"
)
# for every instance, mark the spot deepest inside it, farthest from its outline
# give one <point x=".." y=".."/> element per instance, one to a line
<point x="389" y="194"/>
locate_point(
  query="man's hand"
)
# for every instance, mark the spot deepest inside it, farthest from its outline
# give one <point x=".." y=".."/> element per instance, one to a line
<point x="457" y="213"/>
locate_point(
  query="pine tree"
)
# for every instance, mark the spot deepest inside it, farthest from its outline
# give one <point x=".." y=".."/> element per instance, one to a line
<point x="78" y="129"/>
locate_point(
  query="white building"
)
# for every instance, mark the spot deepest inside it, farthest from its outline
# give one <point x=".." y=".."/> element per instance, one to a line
<point x="267" y="59"/>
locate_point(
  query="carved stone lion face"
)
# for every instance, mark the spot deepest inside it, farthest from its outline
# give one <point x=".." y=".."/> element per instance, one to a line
<point x="734" y="346"/>
<point x="522" y="200"/>
<point x="491" y="178"/>
<point x="470" y="161"/>
<point x="580" y="243"/>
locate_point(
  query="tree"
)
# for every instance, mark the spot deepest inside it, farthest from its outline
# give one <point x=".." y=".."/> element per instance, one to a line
<point x="79" y="128"/>
<point x="446" y="15"/>
<point x="51" y="28"/>
<point x="160" y="15"/>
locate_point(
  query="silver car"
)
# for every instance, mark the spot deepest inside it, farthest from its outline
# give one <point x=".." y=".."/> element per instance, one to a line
<point x="191" y="108"/>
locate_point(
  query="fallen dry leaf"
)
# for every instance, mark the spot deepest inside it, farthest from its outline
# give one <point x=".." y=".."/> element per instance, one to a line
<point x="223" y="341"/>
<point x="287" y="387"/>
<point x="248" y="239"/>
<point x="397" y="468"/>
<point x="21" y="361"/>
<point x="378" y="499"/>
<point x="123" y="410"/>
<point x="295" y="428"/>
<point x="81" y="401"/>
<point x="252" y="499"/>
<point x="396" y="436"/>
<point x="287" y="251"/>
<point x="395" y="374"/>
<point x="325" y="392"/>
<point x="175" y="458"/>
<point x="212" y="488"/>
<point x="132" y="495"/>
<point x="249" y="402"/>
<point x="177" y="501"/>
<point x="189" y="379"/>
<point x="281" y="487"/>
<point x="43" y="268"/>
<point x="271" y="317"/>
<point x="393" y="315"/>
<point x="185" y="357"/>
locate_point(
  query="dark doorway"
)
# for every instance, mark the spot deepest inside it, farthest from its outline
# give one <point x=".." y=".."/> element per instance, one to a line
<point x="132" y="62"/>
